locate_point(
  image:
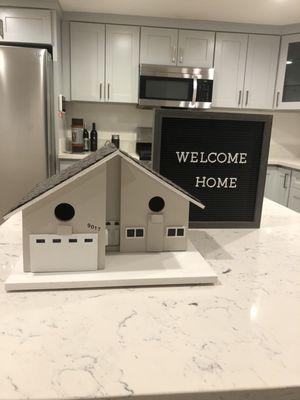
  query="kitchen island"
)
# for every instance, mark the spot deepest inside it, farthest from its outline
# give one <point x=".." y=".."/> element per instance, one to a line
<point x="239" y="339"/>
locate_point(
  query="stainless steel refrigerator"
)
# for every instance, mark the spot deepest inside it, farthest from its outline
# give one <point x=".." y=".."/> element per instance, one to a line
<point x="27" y="146"/>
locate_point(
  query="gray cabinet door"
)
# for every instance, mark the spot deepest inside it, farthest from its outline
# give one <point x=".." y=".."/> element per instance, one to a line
<point x="87" y="61"/>
<point x="269" y="187"/>
<point x="230" y="62"/>
<point x="294" y="197"/>
<point x="159" y="46"/>
<point x="122" y="63"/>
<point x="195" y="48"/>
<point x="288" y="75"/>
<point x="25" y="25"/>
<point x="261" y="68"/>
<point x="278" y="184"/>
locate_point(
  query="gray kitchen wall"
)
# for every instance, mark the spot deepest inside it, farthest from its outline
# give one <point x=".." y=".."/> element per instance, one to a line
<point x="125" y="118"/>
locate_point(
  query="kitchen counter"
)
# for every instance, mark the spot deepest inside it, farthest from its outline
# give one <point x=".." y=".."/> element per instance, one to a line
<point x="80" y="156"/>
<point x="73" y="156"/>
<point x="213" y="342"/>
<point x="287" y="163"/>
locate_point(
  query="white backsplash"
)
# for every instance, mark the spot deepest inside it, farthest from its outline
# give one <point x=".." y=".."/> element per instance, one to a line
<point x="121" y="119"/>
<point x="124" y="119"/>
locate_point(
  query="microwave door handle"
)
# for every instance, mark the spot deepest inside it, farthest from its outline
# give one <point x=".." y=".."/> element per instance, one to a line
<point x="195" y="85"/>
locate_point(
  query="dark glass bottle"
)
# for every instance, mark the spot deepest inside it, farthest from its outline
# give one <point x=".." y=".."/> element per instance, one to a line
<point x="94" y="138"/>
<point x="86" y="139"/>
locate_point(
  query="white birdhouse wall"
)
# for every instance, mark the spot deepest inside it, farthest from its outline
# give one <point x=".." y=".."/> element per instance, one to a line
<point x="87" y="197"/>
<point x="148" y="210"/>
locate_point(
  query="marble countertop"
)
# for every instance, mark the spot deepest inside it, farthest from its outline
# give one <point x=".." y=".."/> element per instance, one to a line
<point x="80" y="156"/>
<point x="236" y="340"/>
<point x="293" y="163"/>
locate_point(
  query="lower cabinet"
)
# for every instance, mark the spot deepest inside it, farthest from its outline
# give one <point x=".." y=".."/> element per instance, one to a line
<point x="294" y="197"/>
<point x="278" y="184"/>
<point x="283" y="186"/>
<point x="63" y="164"/>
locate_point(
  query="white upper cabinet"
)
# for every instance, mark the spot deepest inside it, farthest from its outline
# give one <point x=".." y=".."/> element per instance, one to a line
<point x="261" y="68"/>
<point x="195" y="48"/>
<point x="188" y="48"/>
<point x="288" y="77"/>
<point x="25" y="25"/>
<point x="245" y="70"/>
<point x="122" y="63"/>
<point x="159" y="46"/>
<point x="230" y="61"/>
<point x="87" y="61"/>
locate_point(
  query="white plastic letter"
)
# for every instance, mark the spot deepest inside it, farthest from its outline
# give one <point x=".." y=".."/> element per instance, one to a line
<point x="194" y="157"/>
<point x="200" y="181"/>
<point x="182" y="155"/>
<point x="232" y="183"/>
<point x="243" y="158"/>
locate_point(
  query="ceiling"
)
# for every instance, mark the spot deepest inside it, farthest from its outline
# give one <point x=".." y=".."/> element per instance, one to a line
<point x="274" y="12"/>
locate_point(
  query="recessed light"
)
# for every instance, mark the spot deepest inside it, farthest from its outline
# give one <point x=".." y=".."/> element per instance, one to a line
<point x="289" y="62"/>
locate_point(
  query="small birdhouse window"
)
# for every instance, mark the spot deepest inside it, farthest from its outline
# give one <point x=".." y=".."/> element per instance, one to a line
<point x="176" y="231"/>
<point x="132" y="233"/>
<point x="64" y="212"/>
<point x="156" y="204"/>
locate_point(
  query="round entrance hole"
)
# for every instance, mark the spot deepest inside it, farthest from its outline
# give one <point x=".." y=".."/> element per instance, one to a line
<point x="64" y="212"/>
<point x="156" y="204"/>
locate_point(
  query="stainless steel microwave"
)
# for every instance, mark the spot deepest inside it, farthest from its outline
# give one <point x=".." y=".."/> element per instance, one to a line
<point x="169" y="86"/>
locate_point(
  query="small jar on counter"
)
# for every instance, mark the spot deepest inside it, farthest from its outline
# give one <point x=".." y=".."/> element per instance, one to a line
<point x="115" y="139"/>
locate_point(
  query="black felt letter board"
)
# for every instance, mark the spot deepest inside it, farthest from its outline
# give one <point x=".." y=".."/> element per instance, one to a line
<point x="225" y="154"/>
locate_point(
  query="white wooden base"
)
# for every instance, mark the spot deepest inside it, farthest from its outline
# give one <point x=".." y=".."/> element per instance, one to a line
<point x="123" y="270"/>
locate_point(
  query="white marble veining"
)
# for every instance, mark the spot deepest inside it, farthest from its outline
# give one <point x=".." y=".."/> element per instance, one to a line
<point x="213" y="341"/>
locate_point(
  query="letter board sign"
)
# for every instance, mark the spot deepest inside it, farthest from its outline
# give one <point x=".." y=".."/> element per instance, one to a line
<point x="220" y="158"/>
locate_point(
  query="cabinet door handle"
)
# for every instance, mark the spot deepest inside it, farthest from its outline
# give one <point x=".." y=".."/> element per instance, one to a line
<point x="180" y="55"/>
<point x="247" y="96"/>
<point x="1" y="29"/>
<point x="240" y="97"/>
<point x="285" y="181"/>
<point x="108" y="91"/>
<point x="277" y="98"/>
<point x="100" y="90"/>
<point x="174" y="54"/>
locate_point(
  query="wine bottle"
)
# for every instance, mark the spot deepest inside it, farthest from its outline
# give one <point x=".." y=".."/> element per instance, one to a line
<point x="94" y="138"/>
<point x="86" y="139"/>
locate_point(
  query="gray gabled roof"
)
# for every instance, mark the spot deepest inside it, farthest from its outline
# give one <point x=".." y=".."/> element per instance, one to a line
<point x="85" y="163"/>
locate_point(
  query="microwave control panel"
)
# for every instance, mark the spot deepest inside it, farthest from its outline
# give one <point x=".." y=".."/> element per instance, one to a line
<point x="204" y="90"/>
